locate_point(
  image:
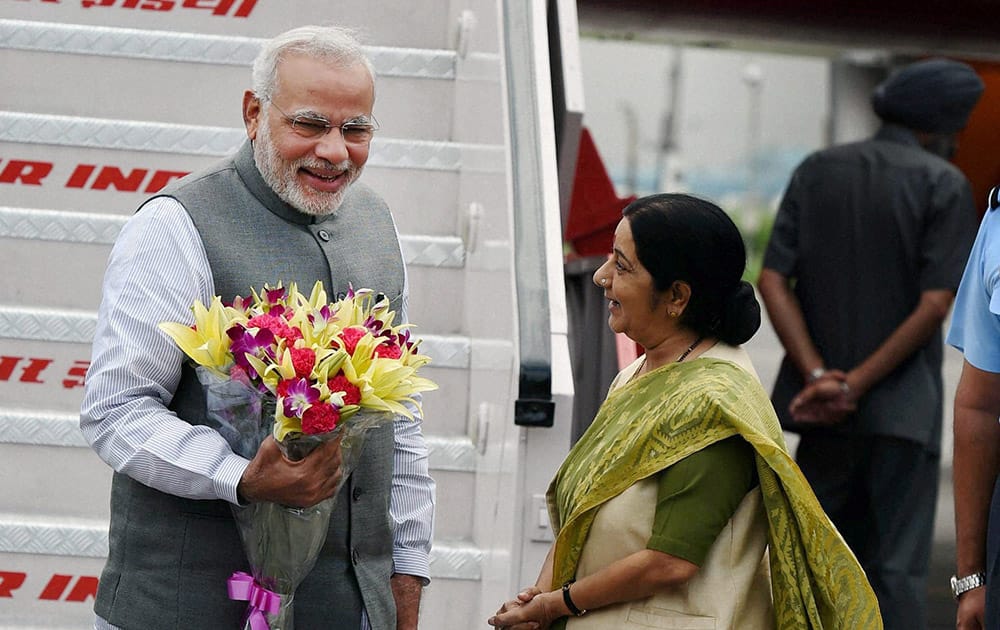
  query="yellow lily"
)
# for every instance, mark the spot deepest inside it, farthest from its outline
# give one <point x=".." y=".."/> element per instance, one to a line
<point x="283" y="426"/>
<point x="390" y="384"/>
<point x="207" y="343"/>
<point x="268" y="372"/>
<point x="328" y="363"/>
<point x="317" y="298"/>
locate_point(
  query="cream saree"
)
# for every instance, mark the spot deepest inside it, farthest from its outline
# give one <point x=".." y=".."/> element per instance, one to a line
<point x="663" y="416"/>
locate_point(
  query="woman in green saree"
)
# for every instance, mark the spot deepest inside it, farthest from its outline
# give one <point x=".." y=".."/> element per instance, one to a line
<point x="680" y="506"/>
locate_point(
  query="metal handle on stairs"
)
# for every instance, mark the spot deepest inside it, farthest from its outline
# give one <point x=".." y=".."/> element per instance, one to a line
<point x="525" y="42"/>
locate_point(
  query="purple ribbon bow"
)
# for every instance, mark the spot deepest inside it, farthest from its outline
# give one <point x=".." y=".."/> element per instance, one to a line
<point x="242" y="587"/>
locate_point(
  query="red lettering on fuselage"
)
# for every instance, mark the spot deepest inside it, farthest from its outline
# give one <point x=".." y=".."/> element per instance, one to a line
<point x="217" y="7"/>
<point x="10" y="581"/>
<point x="161" y="179"/>
<point x="56" y="586"/>
<point x="109" y="177"/>
<point x="78" y="178"/>
<point x="85" y="587"/>
<point x="25" y="172"/>
<point x="31" y="371"/>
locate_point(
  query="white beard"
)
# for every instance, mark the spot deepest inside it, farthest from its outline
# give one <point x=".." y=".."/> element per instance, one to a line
<point x="281" y="176"/>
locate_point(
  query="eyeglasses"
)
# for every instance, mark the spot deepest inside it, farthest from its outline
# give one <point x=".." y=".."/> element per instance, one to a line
<point x="353" y="131"/>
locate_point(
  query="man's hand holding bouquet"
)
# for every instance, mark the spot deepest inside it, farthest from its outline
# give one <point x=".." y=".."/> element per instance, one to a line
<point x="286" y="375"/>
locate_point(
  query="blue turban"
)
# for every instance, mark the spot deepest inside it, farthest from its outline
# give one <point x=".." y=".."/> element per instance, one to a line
<point x="935" y="95"/>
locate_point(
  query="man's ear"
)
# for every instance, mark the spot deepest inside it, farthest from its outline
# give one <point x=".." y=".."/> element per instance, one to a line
<point x="251" y="113"/>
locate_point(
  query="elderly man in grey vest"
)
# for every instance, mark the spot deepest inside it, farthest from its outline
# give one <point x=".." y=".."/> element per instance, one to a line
<point x="286" y="207"/>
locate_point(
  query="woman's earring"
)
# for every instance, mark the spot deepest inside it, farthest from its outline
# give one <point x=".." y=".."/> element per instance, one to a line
<point x="673" y="313"/>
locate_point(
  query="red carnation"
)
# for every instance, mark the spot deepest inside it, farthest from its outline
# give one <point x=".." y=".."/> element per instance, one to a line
<point x="388" y="351"/>
<point x="303" y="359"/>
<point x="277" y="326"/>
<point x="340" y="383"/>
<point x="261" y="321"/>
<point x="282" y="388"/>
<point x="320" y="418"/>
<point x="351" y="336"/>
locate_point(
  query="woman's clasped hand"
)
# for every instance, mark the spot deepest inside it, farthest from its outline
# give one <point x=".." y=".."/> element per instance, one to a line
<point x="531" y="609"/>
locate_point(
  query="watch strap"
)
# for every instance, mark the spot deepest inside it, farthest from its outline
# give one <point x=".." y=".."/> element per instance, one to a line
<point x="961" y="585"/>
<point x="815" y="374"/>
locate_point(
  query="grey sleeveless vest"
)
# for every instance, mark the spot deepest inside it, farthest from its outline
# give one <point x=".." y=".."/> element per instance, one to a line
<point x="169" y="558"/>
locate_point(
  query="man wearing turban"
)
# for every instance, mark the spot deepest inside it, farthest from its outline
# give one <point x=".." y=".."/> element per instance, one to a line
<point x="866" y="254"/>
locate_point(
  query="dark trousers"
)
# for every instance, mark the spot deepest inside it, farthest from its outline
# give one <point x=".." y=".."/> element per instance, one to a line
<point x="881" y="493"/>
<point x="993" y="561"/>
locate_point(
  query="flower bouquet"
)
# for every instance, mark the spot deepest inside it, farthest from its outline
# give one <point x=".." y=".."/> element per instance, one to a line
<point x="305" y="371"/>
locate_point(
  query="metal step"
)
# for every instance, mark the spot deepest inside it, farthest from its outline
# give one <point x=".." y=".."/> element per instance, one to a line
<point x="50" y="444"/>
<point x="46" y="352"/>
<point x="55" y="592"/>
<point x="81" y="242"/>
<point x="419" y="24"/>
<point x="409" y="79"/>
<point x="105" y="165"/>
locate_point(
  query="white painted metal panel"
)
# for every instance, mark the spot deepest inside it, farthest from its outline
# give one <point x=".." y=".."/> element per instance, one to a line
<point x="97" y="85"/>
<point x="68" y="483"/>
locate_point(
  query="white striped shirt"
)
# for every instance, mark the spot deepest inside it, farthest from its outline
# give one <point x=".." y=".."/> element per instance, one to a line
<point x="157" y="269"/>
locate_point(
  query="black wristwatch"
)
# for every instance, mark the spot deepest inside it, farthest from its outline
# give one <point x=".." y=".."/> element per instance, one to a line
<point x="967" y="583"/>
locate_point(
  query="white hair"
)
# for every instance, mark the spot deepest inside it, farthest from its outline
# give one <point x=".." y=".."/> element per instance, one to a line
<point x="334" y="44"/>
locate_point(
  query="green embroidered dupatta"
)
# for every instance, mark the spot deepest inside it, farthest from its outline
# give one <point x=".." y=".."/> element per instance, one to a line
<point x="663" y="416"/>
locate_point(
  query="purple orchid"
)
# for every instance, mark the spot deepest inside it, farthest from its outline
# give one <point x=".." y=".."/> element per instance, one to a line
<point x="240" y="303"/>
<point x="403" y="339"/>
<point x="378" y="327"/>
<point x="260" y="345"/>
<point x="275" y="295"/>
<point x="272" y="301"/>
<point x="298" y="398"/>
<point x="326" y="314"/>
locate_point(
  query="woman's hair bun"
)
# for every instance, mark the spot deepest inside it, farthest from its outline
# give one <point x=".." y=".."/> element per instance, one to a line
<point x="740" y="317"/>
